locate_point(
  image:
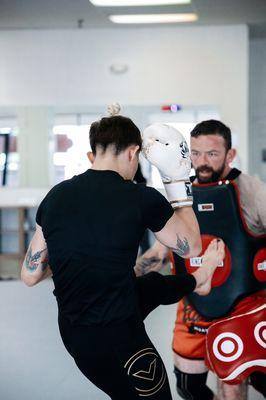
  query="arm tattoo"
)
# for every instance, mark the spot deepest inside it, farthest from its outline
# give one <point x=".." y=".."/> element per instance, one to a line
<point x="182" y="246"/>
<point x="32" y="261"/>
<point x="147" y="262"/>
<point x="144" y="264"/>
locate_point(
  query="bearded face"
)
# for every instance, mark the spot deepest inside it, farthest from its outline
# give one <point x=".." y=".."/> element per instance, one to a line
<point x="209" y="158"/>
<point x="207" y="174"/>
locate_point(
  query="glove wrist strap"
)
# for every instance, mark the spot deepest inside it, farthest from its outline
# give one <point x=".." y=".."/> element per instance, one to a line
<point x="179" y="193"/>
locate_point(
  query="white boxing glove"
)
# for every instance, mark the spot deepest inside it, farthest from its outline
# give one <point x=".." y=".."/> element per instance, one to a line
<point x="165" y="148"/>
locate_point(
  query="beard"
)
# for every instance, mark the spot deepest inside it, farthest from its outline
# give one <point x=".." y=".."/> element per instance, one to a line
<point x="214" y="175"/>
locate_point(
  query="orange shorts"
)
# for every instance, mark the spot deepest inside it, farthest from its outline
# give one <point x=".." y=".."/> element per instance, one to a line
<point x="191" y="328"/>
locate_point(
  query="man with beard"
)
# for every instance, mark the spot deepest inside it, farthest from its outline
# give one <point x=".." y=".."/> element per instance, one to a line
<point x="211" y="156"/>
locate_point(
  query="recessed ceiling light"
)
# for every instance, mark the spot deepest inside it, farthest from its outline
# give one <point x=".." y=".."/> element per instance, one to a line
<point x="152" y="18"/>
<point x="136" y="3"/>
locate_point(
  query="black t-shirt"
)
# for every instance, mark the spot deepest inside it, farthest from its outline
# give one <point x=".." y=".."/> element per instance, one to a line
<point x="92" y="225"/>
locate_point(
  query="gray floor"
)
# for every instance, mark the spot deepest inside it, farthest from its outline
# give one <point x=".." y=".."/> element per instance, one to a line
<point x="33" y="362"/>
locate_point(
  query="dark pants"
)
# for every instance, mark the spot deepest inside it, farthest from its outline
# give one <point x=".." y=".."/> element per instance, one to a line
<point x="121" y="360"/>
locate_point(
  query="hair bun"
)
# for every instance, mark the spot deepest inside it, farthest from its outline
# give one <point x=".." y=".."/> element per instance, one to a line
<point x="113" y="109"/>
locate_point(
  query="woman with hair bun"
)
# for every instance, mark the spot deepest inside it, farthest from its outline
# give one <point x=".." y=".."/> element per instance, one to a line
<point x="88" y="231"/>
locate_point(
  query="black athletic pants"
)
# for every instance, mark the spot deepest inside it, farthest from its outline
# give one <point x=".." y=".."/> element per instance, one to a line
<point x="121" y="360"/>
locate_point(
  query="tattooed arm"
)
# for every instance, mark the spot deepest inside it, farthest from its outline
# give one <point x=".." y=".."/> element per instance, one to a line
<point x="35" y="266"/>
<point x="181" y="233"/>
<point x="154" y="259"/>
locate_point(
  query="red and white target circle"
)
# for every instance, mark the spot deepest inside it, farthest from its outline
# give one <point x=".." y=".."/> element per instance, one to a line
<point x="227" y="347"/>
<point x="260" y="333"/>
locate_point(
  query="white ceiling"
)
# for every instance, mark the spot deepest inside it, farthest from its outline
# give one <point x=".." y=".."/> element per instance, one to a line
<point x="71" y="14"/>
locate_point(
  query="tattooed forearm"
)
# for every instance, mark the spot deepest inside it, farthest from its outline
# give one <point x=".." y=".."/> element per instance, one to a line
<point x="32" y="261"/>
<point x="182" y="247"/>
<point x="146" y="264"/>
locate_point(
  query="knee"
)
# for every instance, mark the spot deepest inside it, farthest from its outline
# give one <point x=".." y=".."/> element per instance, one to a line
<point x="258" y="381"/>
<point x="192" y="386"/>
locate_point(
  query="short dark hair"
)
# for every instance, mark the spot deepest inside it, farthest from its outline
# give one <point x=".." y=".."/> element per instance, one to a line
<point x="117" y="131"/>
<point x="213" y="127"/>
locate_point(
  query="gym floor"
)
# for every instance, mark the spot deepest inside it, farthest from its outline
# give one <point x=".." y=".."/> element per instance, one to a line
<point x="34" y="364"/>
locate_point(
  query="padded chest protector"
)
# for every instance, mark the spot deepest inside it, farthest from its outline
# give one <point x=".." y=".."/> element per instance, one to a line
<point x="218" y="211"/>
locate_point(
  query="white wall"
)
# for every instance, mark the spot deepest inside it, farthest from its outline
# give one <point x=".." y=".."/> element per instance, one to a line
<point x="257" y="106"/>
<point x="191" y="66"/>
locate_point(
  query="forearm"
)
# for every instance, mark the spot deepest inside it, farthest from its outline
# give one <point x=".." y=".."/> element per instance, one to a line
<point x="154" y="259"/>
<point x="181" y="233"/>
<point x="35" y="266"/>
<point x="32" y="280"/>
<point x="188" y="217"/>
<point x="33" y="272"/>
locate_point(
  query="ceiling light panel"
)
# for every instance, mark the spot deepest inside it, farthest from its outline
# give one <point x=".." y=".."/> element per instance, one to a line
<point x="136" y="3"/>
<point x="153" y="18"/>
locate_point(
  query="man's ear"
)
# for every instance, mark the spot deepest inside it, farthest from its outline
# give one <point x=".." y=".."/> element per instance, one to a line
<point x="133" y="150"/>
<point x="91" y="157"/>
<point x="230" y="155"/>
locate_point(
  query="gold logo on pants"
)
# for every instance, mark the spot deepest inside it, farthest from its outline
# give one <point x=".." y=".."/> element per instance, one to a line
<point x="147" y="370"/>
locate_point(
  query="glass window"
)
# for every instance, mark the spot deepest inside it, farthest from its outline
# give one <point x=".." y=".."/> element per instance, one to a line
<point x="71" y="147"/>
<point x="9" y="157"/>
